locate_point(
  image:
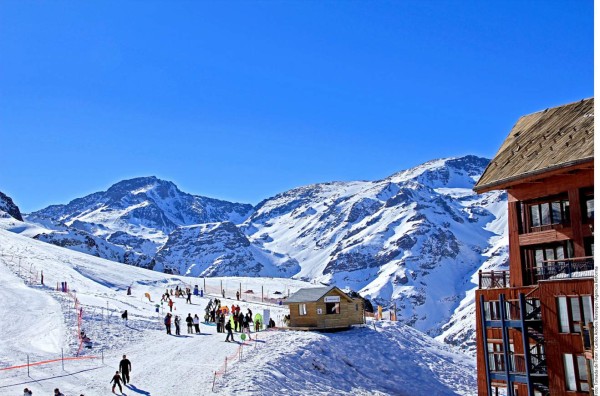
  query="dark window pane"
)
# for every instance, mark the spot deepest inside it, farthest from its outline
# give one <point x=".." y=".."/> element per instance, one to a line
<point x="535" y="215"/>
<point x="545" y="207"/>
<point x="556" y="215"/>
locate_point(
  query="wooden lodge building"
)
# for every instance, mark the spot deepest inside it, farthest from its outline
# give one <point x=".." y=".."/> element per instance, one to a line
<point x="535" y="322"/>
<point x="324" y="308"/>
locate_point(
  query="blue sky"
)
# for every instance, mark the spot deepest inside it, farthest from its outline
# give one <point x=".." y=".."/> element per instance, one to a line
<point x="242" y="100"/>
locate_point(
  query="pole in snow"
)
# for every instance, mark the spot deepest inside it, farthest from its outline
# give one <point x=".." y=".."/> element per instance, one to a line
<point x="28" y="366"/>
<point x="62" y="355"/>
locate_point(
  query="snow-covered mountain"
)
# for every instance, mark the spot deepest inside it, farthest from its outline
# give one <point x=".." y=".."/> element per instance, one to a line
<point x="219" y="249"/>
<point x="415" y="239"/>
<point x="133" y="218"/>
<point x="8" y="207"/>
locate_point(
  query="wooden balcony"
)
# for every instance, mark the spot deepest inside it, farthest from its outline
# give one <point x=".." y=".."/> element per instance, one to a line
<point x="581" y="267"/>
<point x="493" y="279"/>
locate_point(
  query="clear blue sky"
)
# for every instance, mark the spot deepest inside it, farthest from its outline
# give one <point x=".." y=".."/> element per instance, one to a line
<point x="241" y="100"/>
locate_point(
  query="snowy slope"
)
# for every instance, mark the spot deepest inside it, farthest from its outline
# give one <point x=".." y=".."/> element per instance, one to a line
<point x="415" y="239"/>
<point x="393" y="360"/>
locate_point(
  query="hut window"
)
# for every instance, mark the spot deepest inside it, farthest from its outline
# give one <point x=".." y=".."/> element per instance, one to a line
<point x="302" y="309"/>
<point x="332" y="308"/>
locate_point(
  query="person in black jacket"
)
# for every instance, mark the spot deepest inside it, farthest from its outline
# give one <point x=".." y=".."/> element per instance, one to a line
<point x="117" y="381"/>
<point x="190" y="322"/>
<point x="229" y="332"/>
<point x="125" y="368"/>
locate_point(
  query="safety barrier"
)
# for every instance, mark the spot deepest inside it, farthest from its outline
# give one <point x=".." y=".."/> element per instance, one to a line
<point x="49" y="361"/>
<point x="231" y="358"/>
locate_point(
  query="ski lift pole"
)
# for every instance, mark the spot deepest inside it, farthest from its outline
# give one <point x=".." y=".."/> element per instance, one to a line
<point x="28" y="365"/>
<point x="62" y="355"/>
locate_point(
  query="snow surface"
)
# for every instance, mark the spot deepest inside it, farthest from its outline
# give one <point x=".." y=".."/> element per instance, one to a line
<point x="386" y="359"/>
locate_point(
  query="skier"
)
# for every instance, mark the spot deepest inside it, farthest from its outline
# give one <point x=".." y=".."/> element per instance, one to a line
<point x="189" y="296"/>
<point x="125" y="368"/>
<point x="223" y="292"/>
<point x="237" y="294"/>
<point x="177" y="322"/>
<point x="190" y="321"/>
<point x="129" y="290"/>
<point x="124" y="316"/>
<point x="117" y="381"/>
<point x="27" y="392"/>
<point x="229" y="332"/>
<point x="168" y="323"/>
<point x="170" y="304"/>
<point x="57" y="392"/>
<point x="197" y="323"/>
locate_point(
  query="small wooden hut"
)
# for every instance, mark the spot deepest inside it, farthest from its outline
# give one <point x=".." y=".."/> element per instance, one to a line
<point x="324" y="308"/>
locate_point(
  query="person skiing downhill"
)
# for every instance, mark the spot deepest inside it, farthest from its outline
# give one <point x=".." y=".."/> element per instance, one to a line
<point x="125" y="368"/>
<point x="117" y="381"/>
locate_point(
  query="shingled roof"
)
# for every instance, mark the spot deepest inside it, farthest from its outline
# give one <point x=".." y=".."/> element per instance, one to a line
<point x="548" y="140"/>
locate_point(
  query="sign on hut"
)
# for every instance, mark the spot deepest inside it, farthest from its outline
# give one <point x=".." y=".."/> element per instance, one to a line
<point x="324" y="308"/>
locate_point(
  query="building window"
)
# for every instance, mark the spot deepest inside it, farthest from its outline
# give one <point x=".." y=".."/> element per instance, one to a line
<point x="576" y="373"/>
<point x="546" y="261"/>
<point x="302" y="309"/>
<point x="572" y="310"/>
<point x="588" y="205"/>
<point x="496" y="356"/>
<point x="548" y="213"/>
<point x="332" y="308"/>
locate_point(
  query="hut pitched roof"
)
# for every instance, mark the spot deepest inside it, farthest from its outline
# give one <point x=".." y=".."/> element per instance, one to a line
<point x="310" y="294"/>
<point x="548" y="140"/>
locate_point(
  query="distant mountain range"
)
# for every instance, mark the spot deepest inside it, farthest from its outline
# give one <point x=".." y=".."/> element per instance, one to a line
<point x="415" y="239"/>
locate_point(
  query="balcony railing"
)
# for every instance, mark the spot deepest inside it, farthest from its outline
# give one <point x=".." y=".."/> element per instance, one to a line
<point x="582" y="267"/>
<point x="493" y="279"/>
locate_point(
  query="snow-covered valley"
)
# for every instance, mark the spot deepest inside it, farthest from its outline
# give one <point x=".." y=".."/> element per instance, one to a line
<point x="41" y="324"/>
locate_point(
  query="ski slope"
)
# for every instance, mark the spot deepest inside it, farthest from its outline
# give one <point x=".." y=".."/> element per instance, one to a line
<point x="41" y="323"/>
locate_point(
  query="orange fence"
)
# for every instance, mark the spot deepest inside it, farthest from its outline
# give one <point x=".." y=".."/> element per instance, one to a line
<point x="62" y="359"/>
<point x="231" y="358"/>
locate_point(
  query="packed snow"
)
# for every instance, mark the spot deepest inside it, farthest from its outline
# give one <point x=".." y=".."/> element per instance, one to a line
<point x="382" y="358"/>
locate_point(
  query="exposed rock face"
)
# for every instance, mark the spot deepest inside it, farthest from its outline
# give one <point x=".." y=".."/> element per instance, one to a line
<point x="415" y="239"/>
<point x="8" y="206"/>
<point x="135" y="216"/>
<point x="219" y="249"/>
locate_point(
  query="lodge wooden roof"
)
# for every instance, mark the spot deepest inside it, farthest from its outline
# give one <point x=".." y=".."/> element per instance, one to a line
<point x="312" y="294"/>
<point x="552" y="139"/>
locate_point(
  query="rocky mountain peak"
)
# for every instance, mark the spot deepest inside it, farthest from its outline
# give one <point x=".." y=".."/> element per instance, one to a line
<point x="8" y="206"/>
